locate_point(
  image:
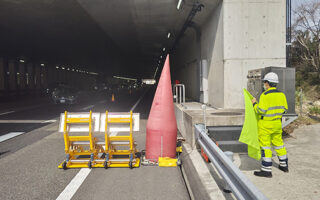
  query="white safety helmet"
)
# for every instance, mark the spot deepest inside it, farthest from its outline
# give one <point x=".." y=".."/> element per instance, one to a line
<point x="271" y="77"/>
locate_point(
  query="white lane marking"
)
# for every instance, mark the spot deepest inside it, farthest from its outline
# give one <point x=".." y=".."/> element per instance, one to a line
<point x="136" y="104"/>
<point x="74" y="185"/>
<point x="10" y="135"/>
<point x="113" y="133"/>
<point x="49" y="121"/>
<point x="88" y="107"/>
<point x="103" y="101"/>
<point x="76" y="182"/>
<point x="5" y="113"/>
<point x="26" y="121"/>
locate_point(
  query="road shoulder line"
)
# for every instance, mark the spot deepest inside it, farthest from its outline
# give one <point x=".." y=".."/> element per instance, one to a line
<point x="74" y="185"/>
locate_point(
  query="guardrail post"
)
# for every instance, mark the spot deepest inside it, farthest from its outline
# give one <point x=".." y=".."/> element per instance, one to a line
<point x="227" y="188"/>
<point x="204" y="108"/>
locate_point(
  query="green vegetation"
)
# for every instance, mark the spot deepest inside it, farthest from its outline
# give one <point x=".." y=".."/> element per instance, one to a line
<point x="314" y="110"/>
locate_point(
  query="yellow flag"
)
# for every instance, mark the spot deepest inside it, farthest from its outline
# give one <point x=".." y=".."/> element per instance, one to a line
<point x="249" y="133"/>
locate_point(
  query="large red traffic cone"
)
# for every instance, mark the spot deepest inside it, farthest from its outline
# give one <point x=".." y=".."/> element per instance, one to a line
<point x="162" y="125"/>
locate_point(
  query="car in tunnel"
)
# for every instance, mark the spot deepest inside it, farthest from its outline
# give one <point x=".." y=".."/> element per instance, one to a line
<point x="64" y="95"/>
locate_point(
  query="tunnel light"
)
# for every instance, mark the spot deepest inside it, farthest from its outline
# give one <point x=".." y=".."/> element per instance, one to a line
<point x="159" y="61"/>
<point x="168" y="35"/>
<point x="62" y="68"/>
<point x="125" y="78"/>
<point x="77" y="70"/>
<point x="163" y="49"/>
<point x="57" y="67"/>
<point x="160" y="56"/>
<point x="8" y="73"/>
<point x="73" y="70"/>
<point x="18" y="73"/>
<point x="68" y="69"/>
<point x="42" y="64"/>
<point x="93" y="73"/>
<point x="21" y="60"/>
<point x="179" y="5"/>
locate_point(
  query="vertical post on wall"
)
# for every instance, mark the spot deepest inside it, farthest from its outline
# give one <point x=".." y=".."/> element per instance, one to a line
<point x="2" y="75"/>
<point x="288" y="33"/>
<point x="12" y="75"/>
<point x="22" y="76"/>
<point x="30" y="78"/>
<point x="37" y="76"/>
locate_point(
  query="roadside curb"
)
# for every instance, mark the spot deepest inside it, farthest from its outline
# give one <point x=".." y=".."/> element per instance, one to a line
<point x="198" y="178"/>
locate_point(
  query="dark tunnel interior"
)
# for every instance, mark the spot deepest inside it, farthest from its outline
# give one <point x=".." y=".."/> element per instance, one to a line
<point x="102" y="38"/>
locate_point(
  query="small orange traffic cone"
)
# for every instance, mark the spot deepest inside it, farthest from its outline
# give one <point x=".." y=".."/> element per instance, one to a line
<point x="112" y="98"/>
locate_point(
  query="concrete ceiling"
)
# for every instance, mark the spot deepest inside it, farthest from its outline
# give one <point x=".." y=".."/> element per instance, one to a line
<point x="103" y="34"/>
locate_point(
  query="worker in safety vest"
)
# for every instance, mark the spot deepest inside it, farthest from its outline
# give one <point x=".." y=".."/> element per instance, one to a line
<point x="272" y="105"/>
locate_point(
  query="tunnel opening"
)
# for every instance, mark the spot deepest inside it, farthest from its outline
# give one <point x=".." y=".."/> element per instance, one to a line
<point x="212" y="44"/>
<point x="86" y="44"/>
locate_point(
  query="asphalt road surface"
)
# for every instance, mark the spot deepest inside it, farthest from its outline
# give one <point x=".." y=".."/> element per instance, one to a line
<point x="29" y="161"/>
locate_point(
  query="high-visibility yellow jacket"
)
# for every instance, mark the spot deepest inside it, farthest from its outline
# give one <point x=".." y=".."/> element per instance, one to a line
<point x="272" y="105"/>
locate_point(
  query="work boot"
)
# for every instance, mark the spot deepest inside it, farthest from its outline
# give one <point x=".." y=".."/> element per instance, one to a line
<point x="284" y="169"/>
<point x="263" y="174"/>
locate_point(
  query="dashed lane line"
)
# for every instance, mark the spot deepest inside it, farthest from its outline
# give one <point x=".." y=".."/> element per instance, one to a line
<point x="5" y="113"/>
<point x="13" y="121"/>
<point x="49" y="121"/>
<point x="10" y="135"/>
<point x="74" y="185"/>
<point x="88" y="107"/>
<point x="136" y="104"/>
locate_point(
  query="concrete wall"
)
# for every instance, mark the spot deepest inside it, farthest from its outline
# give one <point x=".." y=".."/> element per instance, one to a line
<point x="239" y="35"/>
<point x="186" y="64"/>
<point x="212" y="51"/>
<point x="254" y="37"/>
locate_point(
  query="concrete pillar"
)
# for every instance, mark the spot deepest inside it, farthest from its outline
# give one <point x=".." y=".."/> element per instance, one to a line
<point x="12" y="75"/>
<point x="51" y="74"/>
<point x="30" y="76"/>
<point x="59" y="75"/>
<point x="44" y="76"/>
<point x="37" y="76"/>
<point x="2" y="74"/>
<point x="21" y="77"/>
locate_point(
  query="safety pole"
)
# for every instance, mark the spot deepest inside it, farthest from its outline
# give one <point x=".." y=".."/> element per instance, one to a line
<point x="106" y="133"/>
<point x="65" y="133"/>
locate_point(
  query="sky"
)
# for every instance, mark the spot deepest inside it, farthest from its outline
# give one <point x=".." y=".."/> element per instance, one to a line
<point x="296" y="3"/>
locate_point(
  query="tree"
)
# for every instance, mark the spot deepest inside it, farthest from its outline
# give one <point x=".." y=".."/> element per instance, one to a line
<point x="306" y="37"/>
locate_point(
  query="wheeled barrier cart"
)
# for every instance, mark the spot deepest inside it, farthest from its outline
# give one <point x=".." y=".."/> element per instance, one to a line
<point x="84" y="150"/>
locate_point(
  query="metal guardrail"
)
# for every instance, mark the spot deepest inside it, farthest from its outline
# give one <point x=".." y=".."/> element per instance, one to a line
<point x="240" y="185"/>
<point x="179" y="93"/>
